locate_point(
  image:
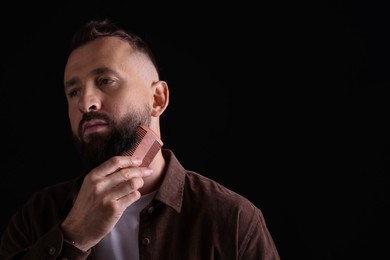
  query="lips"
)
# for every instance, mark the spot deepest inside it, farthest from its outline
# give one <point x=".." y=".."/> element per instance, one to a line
<point x="94" y="126"/>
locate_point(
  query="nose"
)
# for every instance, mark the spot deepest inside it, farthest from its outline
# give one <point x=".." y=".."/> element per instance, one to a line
<point x="89" y="101"/>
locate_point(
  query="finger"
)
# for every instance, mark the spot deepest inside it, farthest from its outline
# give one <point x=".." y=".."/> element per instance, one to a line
<point x="114" y="164"/>
<point x="130" y="198"/>
<point x="129" y="173"/>
<point x="124" y="175"/>
<point x="127" y="188"/>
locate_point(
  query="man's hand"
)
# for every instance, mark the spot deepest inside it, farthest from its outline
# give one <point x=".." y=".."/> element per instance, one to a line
<point x="104" y="195"/>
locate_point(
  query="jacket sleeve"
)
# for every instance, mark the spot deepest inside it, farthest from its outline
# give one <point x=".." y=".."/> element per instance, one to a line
<point x="34" y="232"/>
<point x="21" y="241"/>
<point x="256" y="242"/>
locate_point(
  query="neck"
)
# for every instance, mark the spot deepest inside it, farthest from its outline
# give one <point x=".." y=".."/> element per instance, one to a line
<point x="152" y="182"/>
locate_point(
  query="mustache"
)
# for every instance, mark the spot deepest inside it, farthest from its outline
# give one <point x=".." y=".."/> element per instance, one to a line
<point x="93" y="115"/>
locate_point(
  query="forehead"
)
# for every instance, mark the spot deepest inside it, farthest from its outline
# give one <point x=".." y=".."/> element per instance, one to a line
<point x="104" y="46"/>
<point x="99" y="52"/>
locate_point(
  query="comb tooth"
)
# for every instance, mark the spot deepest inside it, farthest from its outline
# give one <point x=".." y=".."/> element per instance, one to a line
<point x="128" y="152"/>
<point x="147" y="145"/>
<point x="140" y="134"/>
<point x="141" y="131"/>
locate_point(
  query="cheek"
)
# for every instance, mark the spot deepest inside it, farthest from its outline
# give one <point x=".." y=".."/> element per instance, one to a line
<point x="119" y="108"/>
<point x="74" y="120"/>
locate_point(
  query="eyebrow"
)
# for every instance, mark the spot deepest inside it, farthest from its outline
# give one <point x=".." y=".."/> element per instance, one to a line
<point x="97" y="71"/>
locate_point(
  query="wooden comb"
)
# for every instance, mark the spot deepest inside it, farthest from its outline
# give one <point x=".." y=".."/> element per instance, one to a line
<point x="147" y="145"/>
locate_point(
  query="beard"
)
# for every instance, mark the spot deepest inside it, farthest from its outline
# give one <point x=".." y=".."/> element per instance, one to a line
<point x="101" y="147"/>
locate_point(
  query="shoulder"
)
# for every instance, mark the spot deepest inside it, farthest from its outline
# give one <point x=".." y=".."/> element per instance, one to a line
<point x="213" y="202"/>
<point x="197" y="182"/>
<point x="217" y="196"/>
<point x="55" y="191"/>
<point x="55" y="198"/>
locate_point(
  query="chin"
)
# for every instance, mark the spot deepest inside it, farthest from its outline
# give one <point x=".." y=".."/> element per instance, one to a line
<point x="94" y="136"/>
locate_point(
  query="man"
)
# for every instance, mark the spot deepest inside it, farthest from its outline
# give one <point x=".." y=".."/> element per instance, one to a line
<point x="121" y="207"/>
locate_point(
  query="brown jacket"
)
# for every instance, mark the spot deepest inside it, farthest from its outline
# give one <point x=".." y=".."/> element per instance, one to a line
<point x="190" y="218"/>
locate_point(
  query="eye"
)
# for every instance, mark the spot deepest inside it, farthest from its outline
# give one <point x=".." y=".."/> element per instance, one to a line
<point x="104" y="81"/>
<point x="73" y="92"/>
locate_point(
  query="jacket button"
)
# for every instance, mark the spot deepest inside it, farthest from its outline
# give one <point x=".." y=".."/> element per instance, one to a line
<point x="52" y="251"/>
<point x="146" y="241"/>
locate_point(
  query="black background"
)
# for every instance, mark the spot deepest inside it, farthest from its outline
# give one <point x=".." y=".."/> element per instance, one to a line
<point x="286" y="104"/>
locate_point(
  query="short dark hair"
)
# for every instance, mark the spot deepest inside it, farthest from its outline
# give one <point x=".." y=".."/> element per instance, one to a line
<point x="94" y="29"/>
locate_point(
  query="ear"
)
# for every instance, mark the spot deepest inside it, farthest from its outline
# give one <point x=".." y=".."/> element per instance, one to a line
<point x="160" y="97"/>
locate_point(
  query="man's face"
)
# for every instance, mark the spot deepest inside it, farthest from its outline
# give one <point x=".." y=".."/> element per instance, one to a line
<point x="109" y="89"/>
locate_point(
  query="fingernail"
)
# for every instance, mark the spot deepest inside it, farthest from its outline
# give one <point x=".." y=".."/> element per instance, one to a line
<point x="148" y="171"/>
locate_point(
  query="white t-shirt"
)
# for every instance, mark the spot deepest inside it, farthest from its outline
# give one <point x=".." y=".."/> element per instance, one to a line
<point x="122" y="241"/>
